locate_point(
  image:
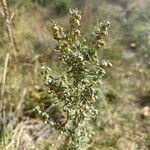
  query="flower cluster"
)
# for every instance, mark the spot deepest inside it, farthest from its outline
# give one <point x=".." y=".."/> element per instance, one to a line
<point x="76" y="90"/>
<point x="99" y="32"/>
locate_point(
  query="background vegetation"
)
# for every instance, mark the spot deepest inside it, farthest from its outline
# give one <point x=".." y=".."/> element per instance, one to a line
<point x="122" y="124"/>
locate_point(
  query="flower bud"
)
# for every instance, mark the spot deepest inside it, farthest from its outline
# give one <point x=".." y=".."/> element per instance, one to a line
<point x="104" y="28"/>
<point x="84" y="40"/>
<point x="102" y="71"/>
<point x="78" y="17"/>
<point x="102" y="43"/>
<point x="108" y="23"/>
<point x="110" y="64"/>
<point x="98" y="46"/>
<point x="99" y="82"/>
<point x="97" y="29"/>
<point x="77" y="32"/>
<point x="76" y="23"/>
<point x="57" y="36"/>
<point x="55" y="28"/>
<point x="105" y="33"/>
<point x="60" y="29"/>
<point x="104" y="64"/>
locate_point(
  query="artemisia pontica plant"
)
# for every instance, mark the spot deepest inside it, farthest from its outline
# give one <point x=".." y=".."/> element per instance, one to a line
<point x="76" y="89"/>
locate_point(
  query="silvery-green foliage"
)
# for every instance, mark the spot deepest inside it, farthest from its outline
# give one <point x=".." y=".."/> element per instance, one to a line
<point x="76" y="89"/>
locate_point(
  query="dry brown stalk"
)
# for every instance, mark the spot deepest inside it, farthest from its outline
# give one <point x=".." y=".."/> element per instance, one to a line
<point x="8" y="19"/>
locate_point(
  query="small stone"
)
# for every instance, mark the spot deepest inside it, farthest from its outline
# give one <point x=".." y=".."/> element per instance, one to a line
<point x="145" y="112"/>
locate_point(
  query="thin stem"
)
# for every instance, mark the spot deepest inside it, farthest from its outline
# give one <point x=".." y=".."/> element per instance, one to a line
<point x="4" y="74"/>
